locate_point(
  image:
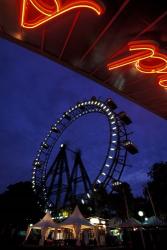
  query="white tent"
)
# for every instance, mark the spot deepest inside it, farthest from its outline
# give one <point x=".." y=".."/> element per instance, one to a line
<point x="46" y="224"/>
<point x="76" y="222"/>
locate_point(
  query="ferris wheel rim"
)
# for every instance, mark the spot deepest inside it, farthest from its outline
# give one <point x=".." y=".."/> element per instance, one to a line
<point x="97" y="106"/>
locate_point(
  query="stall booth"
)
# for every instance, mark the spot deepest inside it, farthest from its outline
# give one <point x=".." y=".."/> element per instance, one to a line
<point x="124" y="232"/>
<point x="132" y="233"/>
<point x="114" y="232"/>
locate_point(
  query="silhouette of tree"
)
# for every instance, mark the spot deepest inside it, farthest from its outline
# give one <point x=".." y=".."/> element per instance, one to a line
<point x="18" y="205"/>
<point x="122" y="199"/>
<point x="155" y="191"/>
<point x="101" y="202"/>
<point x="119" y="202"/>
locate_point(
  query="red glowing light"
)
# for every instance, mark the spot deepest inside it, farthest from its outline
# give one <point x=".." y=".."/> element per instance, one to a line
<point x="43" y="11"/>
<point x="147" y="59"/>
<point x="162" y="81"/>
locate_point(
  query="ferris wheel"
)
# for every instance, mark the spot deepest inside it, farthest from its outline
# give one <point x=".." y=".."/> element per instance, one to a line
<point x="49" y="181"/>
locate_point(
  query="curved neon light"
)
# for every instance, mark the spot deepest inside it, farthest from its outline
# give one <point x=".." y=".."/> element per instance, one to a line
<point x="43" y="10"/>
<point x="145" y="50"/>
<point x="162" y="81"/>
<point x="46" y="14"/>
<point x="140" y="66"/>
<point x="44" y="7"/>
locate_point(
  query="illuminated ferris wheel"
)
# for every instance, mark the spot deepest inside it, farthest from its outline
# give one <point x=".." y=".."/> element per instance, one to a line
<point x="55" y="183"/>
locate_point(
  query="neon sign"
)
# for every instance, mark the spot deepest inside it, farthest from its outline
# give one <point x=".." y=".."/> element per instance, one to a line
<point x="146" y="59"/>
<point x="37" y="12"/>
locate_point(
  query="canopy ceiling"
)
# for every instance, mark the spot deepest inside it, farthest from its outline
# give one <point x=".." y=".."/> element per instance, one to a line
<point x="86" y="42"/>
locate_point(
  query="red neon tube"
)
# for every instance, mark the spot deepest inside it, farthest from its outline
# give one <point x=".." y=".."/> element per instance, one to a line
<point x="48" y="11"/>
<point x="147" y="60"/>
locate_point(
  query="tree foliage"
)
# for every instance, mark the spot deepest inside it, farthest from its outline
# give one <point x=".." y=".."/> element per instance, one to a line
<point x="156" y="189"/>
<point x="18" y="205"/>
<point x="122" y="200"/>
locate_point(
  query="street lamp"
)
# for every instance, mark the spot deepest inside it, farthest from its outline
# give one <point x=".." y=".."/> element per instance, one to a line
<point x="145" y="219"/>
<point x="141" y="213"/>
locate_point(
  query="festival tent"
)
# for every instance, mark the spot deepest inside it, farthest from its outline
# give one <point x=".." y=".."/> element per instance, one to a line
<point x="46" y="224"/>
<point x="76" y="219"/>
<point x="130" y="223"/>
<point x="76" y="222"/>
<point x="154" y="221"/>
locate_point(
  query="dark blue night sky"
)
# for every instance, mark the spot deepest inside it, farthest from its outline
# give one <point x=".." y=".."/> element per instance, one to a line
<point x="34" y="92"/>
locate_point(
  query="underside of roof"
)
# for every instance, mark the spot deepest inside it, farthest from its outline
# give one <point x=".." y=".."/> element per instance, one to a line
<point x="87" y="42"/>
